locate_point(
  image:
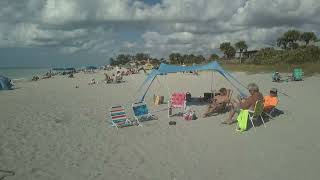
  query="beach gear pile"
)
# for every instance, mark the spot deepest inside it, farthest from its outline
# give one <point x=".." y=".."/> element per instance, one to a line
<point x="5" y="83"/>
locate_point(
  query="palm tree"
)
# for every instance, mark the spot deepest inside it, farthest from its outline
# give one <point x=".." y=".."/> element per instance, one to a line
<point x="242" y="46"/>
<point x="308" y="36"/>
<point x="227" y="49"/>
<point x="282" y="42"/>
<point x="292" y="36"/>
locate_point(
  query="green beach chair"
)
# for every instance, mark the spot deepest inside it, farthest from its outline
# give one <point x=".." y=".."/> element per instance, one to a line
<point x="297" y="74"/>
<point x="257" y="113"/>
<point x="252" y="115"/>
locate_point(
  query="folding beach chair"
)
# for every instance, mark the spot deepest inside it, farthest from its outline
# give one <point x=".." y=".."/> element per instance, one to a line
<point x="257" y="113"/>
<point x="141" y="112"/>
<point x="177" y="100"/>
<point x="297" y="74"/>
<point x="119" y="117"/>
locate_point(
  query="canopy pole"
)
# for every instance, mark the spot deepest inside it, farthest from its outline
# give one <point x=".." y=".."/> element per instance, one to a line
<point x="165" y="76"/>
<point x="159" y="82"/>
<point x="211" y="82"/>
<point x="214" y="79"/>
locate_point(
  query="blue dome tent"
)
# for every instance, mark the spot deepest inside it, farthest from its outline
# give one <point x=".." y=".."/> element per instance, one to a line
<point x="166" y="68"/>
<point x="5" y="83"/>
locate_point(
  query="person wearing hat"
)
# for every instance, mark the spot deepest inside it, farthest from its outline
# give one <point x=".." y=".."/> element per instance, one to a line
<point x="276" y="77"/>
<point x="271" y="100"/>
<point x="247" y="103"/>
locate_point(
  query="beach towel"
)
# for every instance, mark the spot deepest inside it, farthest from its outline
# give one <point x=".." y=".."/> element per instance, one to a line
<point x="243" y="120"/>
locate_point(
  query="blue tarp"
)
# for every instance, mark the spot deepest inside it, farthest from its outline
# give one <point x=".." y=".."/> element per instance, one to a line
<point x="166" y="68"/>
<point x="91" y="67"/>
<point x="5" y="83"/>
<point x="63" y="69"/>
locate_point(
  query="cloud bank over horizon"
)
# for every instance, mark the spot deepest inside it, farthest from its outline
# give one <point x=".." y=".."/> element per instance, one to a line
<point x="103" y="28"/>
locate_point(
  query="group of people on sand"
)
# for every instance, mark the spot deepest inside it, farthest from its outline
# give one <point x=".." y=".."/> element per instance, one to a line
<point x="118" y="77"/>
<point x="220" y="102"/>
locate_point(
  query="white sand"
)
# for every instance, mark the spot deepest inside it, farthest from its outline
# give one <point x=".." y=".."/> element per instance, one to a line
<point x="51" y="130"/>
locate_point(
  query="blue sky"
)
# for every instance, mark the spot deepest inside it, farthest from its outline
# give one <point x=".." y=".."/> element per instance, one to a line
<point x="47" y="33"/>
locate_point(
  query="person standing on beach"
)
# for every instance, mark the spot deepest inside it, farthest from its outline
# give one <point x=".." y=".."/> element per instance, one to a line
<point x="247" y="103"/>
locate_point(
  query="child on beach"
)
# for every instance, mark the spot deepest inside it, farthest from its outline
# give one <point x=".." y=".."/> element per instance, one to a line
<point x="271" y="100"/>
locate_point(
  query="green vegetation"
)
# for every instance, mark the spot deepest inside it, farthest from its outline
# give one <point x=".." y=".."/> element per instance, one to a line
<point x="295" y="49"/>
<point x="139" y="58"/>
<point x="228" y="50"/>
<point x="177" y="58"/>
<point x="241" y="46"/>
<point x="307" y="54"/>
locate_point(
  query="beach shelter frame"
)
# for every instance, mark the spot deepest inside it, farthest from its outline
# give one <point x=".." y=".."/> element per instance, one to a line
<point x="166" y="68"/>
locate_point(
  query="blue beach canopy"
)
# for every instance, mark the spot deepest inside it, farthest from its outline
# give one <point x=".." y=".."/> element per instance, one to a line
<point x="63" y="69"/>
<point x="166" y="68"/>
<point x="5" y="83"/>
<point x="91" y="67"/>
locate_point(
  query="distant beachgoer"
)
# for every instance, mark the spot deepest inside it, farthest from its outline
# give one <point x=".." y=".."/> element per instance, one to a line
<point x="118" y="77"/>
<point x="246" y="103"/>
<point x="71" y="75"/>
<point x="35" y="78"/>
<point x="93" y="81"/>
<point x="142" y="69"/>
<point x="276" y="77"/>
<point x="218" y="102"/>
<point x="107" y="78"/>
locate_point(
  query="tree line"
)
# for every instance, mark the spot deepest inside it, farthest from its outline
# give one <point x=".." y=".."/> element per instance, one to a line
<point x="295" y="47"/>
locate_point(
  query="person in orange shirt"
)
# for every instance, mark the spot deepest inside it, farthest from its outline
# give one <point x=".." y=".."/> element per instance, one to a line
<point x="271" y="101"/>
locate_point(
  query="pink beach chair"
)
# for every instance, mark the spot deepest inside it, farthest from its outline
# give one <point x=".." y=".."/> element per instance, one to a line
<point x="177" y="100"/>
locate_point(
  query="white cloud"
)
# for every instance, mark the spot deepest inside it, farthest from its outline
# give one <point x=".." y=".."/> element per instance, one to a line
<point x="169" y="26"/>
<point x="129" y="45"/>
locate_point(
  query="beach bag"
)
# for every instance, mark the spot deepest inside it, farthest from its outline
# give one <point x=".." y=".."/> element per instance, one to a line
<point x="189" y="115"/>
<point x="158" y="99"/>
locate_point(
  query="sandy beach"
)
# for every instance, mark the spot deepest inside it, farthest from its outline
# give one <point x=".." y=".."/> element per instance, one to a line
<point x="50" y="130"/>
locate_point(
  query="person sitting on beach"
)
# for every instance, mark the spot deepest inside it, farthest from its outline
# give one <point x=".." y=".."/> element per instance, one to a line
<point x="276" y="77"/>
<point x="246" y="103"/>
<point x="93" y="81"/>
<point x="107" y="79"/>
<point x="218" y="102"/>
<point x="35" y="78"/>
<point x="47" y="76"/>
<point x="118" y="77"/>
<point x="271" y="100"/>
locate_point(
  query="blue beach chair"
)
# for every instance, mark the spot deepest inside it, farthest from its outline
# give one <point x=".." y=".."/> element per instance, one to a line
<point x="141" y="112"/>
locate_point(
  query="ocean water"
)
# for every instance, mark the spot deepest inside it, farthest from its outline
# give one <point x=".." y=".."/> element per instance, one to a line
<point x="22" y="73"/>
